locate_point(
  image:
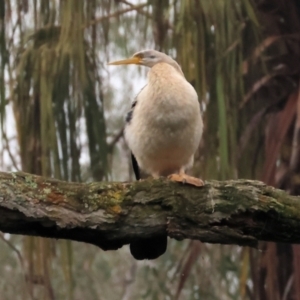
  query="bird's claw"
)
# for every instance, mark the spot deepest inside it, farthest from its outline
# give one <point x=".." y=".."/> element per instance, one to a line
<point x="183" y="178"/>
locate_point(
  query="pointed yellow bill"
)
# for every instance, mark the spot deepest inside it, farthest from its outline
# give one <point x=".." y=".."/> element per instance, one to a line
<point x="129" y="61"/>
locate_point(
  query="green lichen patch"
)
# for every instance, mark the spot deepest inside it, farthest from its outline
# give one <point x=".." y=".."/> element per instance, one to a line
<point x="100" y="195"/>
<point x="30" y="182"/>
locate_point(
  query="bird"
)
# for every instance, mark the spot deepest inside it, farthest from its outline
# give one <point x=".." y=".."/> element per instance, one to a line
<point x="163" y="131"/>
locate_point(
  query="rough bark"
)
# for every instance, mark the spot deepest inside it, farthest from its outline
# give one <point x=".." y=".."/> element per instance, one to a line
<point x="110" y="215"/>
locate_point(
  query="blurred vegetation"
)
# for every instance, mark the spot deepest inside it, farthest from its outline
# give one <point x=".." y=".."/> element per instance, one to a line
<point x="62" y="112"/>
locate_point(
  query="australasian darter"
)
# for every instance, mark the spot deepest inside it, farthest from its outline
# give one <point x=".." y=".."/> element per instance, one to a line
<point x="163" y="130"/>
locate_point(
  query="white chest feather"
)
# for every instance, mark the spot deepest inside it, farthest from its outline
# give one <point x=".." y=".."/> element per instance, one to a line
<point x="166" y="125"/>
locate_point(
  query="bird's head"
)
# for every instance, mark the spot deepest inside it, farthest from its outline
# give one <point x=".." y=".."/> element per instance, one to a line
<point x="148" y="58"/>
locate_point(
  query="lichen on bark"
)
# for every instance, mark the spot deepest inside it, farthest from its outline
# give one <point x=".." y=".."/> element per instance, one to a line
<point x="111" y="215"/>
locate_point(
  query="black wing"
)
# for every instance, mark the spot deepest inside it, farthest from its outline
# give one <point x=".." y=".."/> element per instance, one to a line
<point x="130" y="113"/>
<point x="135" y="165"/>
<point x="136" y="168"/>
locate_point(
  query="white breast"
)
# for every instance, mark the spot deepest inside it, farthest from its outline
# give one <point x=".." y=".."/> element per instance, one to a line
<point x="166" y="126"/>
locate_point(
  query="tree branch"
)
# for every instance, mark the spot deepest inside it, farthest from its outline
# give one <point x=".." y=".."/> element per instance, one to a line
<point x="111" y="215"/>
<point x="117" y="13"/>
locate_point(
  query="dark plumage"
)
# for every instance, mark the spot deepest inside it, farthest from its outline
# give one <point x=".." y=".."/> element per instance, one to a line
<point x="149" y="248"/>
<point x="130" y="113"/>
<point x="135" y="167"/>
<point x="129" y="116"/>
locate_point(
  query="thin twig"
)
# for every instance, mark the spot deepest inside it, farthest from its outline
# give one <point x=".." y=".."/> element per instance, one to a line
<point x="116" y="138"/>
<point x="12" y="246"/>
<point x="11" y="156"/>
<point x="117" y="13"/>
<point x="140" y="11"/>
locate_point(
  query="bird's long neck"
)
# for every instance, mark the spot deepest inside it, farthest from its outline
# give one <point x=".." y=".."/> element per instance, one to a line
<point x="167" y="88"/>
<point x="170" y="61"/>
<point x="164" y="73"/>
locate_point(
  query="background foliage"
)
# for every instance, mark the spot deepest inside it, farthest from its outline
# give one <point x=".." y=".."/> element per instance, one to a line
<point x="62" y="112"/>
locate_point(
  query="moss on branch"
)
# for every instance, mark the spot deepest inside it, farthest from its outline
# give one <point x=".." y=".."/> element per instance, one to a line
<point x="110" y="215"/>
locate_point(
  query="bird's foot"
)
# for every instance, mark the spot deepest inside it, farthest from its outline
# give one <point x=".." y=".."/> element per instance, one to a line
<point x="184" y="178"/>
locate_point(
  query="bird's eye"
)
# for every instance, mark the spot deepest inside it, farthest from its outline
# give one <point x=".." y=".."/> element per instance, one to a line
<point x="152" y="56"/>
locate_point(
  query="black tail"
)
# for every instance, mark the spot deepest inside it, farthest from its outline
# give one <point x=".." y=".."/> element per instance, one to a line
<point x="149" y="248"/>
